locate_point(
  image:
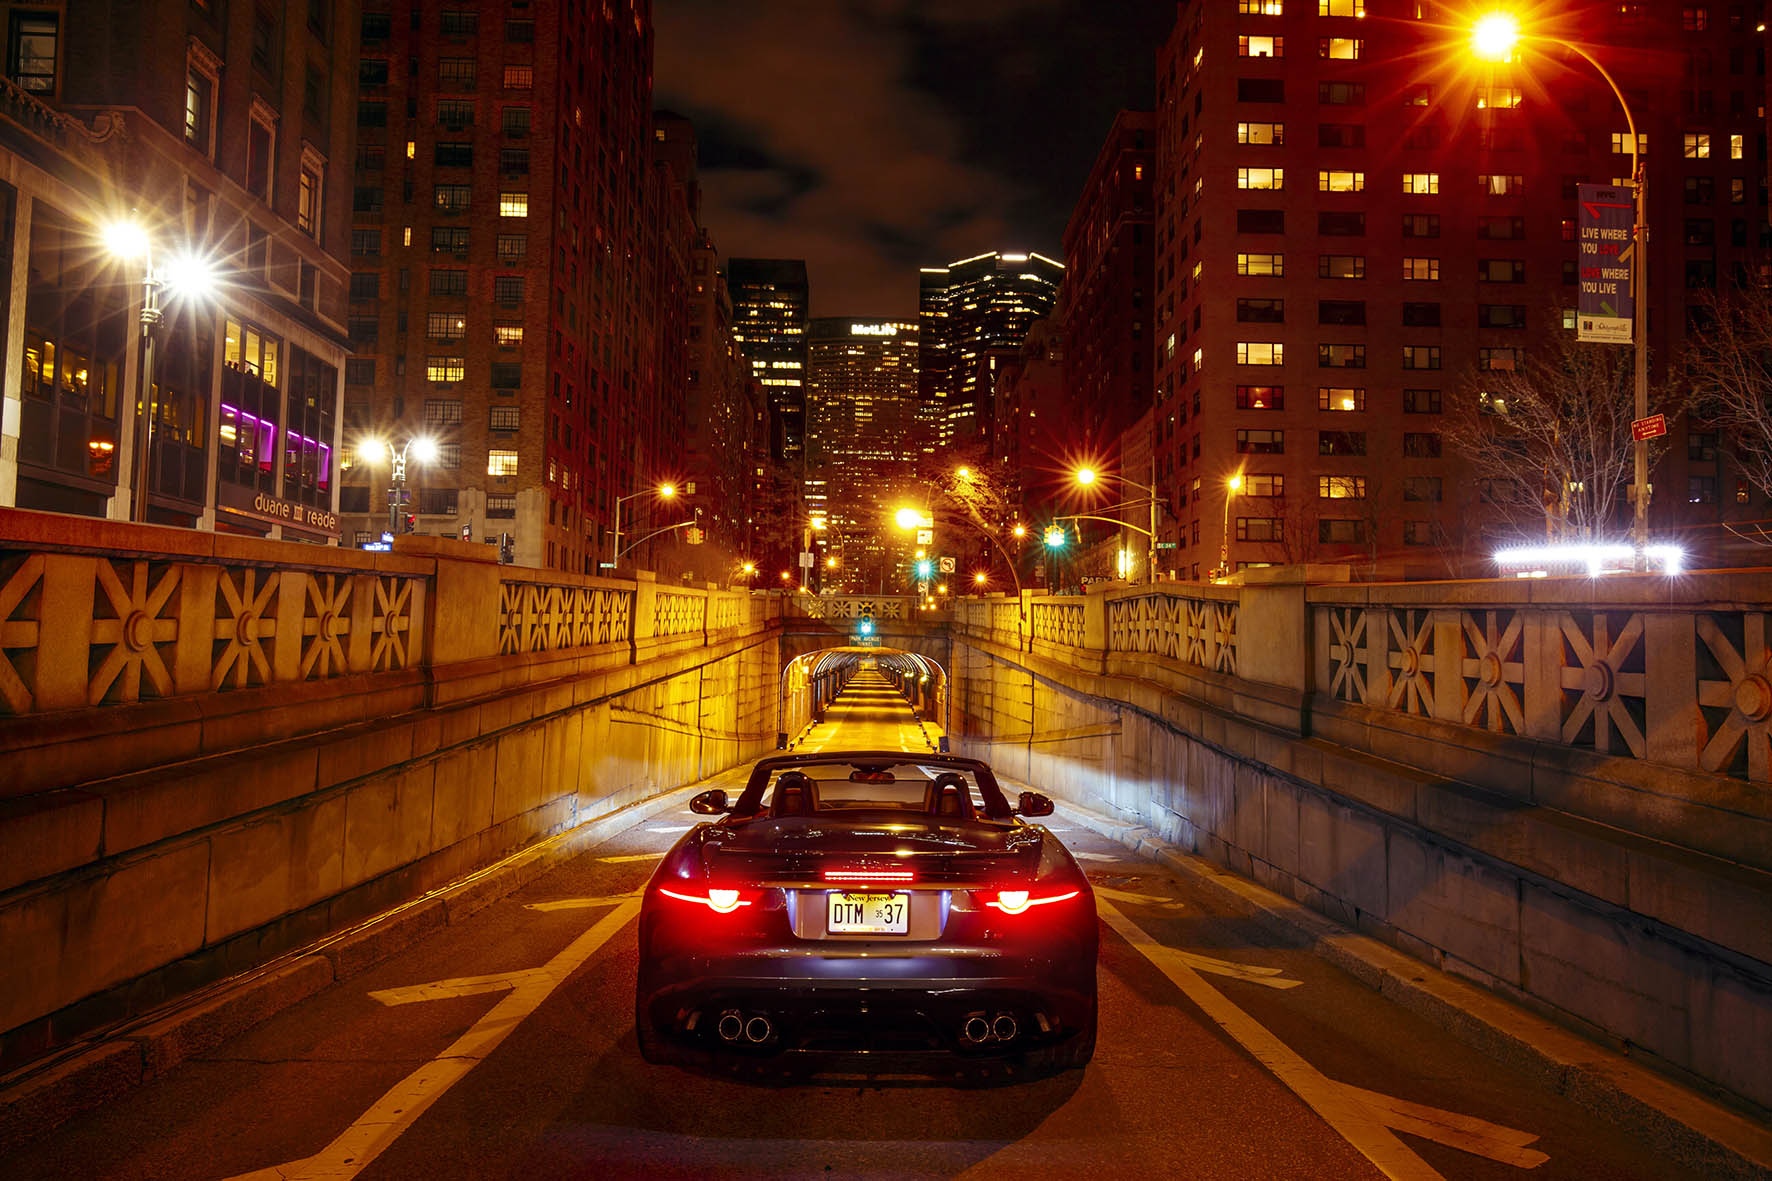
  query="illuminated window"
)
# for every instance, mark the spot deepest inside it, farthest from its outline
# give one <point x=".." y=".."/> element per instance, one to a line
<point x="1498" y="98"/>
<point x="1261" y="397"/>
<point x="1341" y="266"/>
<point x="501" y="463"/>
<point x="1340" y="180"/>
<point x="1265" y="133"/>
<point x="1341" y="7"/>
<point x="1262" y="264"/>
<point x="1259" y="7"/>
<point x="507" y="334"/>
<point x="1421" y="356"/>
<point x="1260" y="352"/>
<point x="1248" y="46"/>
<point x="1339" y="48"/>
<point x="1138" y="172"/>
<point x="513" y="204"/>
<point x="519" y="77"/>
<point x="1695" y="145"/>
<point x="1421" y="268"/>
<point x="1261" y="178"/>
<point x="1263" y="485"/>
<point x="1621" y="143"/>
<point x="452" y="198"/>
<point x="1421" y="184"/>
<point x="1502" y="184"/>
<point x="1341" y="398"/>
<point x="445" y="368"/>
<point x="445" y="326"/>
<point x="1341" y="487"/>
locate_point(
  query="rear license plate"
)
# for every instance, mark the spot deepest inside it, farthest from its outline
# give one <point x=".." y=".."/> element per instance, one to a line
<point x="868" y="914"/>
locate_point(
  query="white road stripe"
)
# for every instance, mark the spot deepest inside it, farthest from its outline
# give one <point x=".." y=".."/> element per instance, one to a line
<point x="579" y="903"/>
<point x="439" y="990"/>
<point x="671" y="828"/>
<point x="358" y="1145"/>
<point x="1359" y="1120"/>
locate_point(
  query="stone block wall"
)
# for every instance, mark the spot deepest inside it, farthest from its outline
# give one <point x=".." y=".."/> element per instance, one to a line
<point x="1620" y="933"/>
<point x="134" y="870"/>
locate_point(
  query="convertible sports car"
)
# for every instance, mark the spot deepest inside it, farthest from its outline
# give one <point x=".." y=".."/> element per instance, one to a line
<point x="878" y="905"/>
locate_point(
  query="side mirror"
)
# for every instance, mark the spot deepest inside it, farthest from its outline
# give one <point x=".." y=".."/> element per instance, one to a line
<point x="1031" y="803"/>
<point x="713" y="803"/>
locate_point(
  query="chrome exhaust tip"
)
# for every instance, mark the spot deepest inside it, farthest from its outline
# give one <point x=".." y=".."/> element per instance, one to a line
<point x="975" y="1030"/>
<point x="758" y="1029"/>
<point x="1004" y="1027"/>
<point x="731" y="1026"/>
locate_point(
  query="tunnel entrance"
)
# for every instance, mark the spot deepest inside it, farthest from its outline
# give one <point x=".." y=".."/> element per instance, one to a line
<point x="811" y="681"/>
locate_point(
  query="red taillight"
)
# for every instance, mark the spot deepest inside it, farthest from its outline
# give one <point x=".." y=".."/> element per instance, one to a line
<point x="717" y="900"/>
<point x="1019" y="901"/>
<point x="868" y="875"/>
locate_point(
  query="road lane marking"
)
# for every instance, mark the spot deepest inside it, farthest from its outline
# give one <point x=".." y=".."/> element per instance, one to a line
<point x="633" y="857"/>
<point x="1357" y="1116"/>
<point x="579" y="903"/>
<point x="1095" y="856"/>
<point x="438" y="990"/>
<point x="1133" y="897"/>
<point x="1479" y="1136"/>
<point x="371" y="1135"/>
<point x="671" y="828"/>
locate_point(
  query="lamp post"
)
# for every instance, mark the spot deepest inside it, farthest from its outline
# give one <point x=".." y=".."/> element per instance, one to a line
<point x="182" y="274"/>
<point x="1493" y="39"/>
<point x="663" y="492"/>
<point x="1088" y="476"/>
<point x="422" y="449"/>
<point x="1231" y="485"/>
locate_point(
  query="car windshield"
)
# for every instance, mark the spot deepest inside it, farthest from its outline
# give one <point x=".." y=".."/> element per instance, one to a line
<point x="847" y="787"/>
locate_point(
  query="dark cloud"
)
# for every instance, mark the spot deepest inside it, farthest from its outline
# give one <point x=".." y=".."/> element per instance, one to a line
<point x="870" y="137"/>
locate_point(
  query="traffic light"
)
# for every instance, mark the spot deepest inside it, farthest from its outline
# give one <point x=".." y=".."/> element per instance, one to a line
<point x="411" y="522"/>
<point x="925" y="568"/>
<point x="866" y="626"/>
<point x="507" y="549"/>
<point x="1055" y="537"/>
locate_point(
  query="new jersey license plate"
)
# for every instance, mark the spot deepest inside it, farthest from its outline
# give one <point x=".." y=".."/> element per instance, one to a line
<point x="869" y="914"/>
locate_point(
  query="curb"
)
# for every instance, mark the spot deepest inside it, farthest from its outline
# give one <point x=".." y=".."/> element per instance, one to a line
<point x="41" y="1095"/>
<point x="1690" y="1127"/>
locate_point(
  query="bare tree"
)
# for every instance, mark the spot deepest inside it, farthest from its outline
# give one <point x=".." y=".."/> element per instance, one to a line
<point x="1549" y="439"/>
<point x="1728" y="363"/>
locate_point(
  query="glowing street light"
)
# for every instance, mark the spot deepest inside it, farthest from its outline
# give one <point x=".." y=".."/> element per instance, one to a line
<point x="1085" y="476"/>
<point x="1020" y="531"/>
<point x="421" y="448"/>
<point x="1494" y="37"/>
<point x="182" y="275"/>
<point x="1088" y="476"/>
<point x="908" y="518"/>
<point x="1232" y="485"/>
<point x="980" y="578"/>
<point x="663" y="491"/>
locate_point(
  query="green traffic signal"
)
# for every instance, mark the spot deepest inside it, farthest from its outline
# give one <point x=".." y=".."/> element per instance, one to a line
<point x="925" y="568"/>
<point x="1055" y="538"/>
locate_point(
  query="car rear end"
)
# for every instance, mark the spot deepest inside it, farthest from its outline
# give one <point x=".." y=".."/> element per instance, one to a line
<point x="802" y="939"/>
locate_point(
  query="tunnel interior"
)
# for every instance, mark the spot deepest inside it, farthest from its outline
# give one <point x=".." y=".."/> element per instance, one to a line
<point x="810" y="682"/>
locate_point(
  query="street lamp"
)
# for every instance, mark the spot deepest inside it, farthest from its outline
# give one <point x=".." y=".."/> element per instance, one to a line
<point x="663" y="492"/>
<point x="1494" y="38"/>
<point x="182" y="275"/>
<point x="1088" y="476"/>
<point x="1231" y="487"/>
<point x="421" y="448"/>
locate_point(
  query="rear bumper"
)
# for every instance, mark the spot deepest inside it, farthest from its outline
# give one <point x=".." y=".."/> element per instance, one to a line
<point x="871" y="1001"/>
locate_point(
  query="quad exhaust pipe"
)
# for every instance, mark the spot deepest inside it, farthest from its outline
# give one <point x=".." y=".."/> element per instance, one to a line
<point x="977" y="1028"/>
<point x="734" y="1027"/>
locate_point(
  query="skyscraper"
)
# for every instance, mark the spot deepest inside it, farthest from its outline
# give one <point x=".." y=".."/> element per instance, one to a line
<point x="975" y="313"/>
<point x="1357" y="222"/>
<point x="861" y="384"/>
<point x="508" y="269"/>
<point x="1105" y="302"/>
<point x="769" y="308"/>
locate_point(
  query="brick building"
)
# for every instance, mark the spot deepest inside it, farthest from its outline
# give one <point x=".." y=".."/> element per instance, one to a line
<point x="515" y="256"/>
<point x="223" y="133"/>
<point x="1356" y="220"/>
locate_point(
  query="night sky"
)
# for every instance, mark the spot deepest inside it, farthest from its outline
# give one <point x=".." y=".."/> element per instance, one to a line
<point x="871" y="137"/>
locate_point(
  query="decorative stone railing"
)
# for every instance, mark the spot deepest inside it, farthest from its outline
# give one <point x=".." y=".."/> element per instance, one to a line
<point x="1516" y="686"/>
<point x="897" y="608"/>
<point x="176" y="632"/>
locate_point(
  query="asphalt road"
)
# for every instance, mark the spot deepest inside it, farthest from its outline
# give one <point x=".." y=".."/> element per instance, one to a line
<point x="1222" y="1053"/>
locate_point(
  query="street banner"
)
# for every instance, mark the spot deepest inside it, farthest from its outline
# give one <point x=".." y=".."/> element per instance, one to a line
<point x="1605" y="310"/>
